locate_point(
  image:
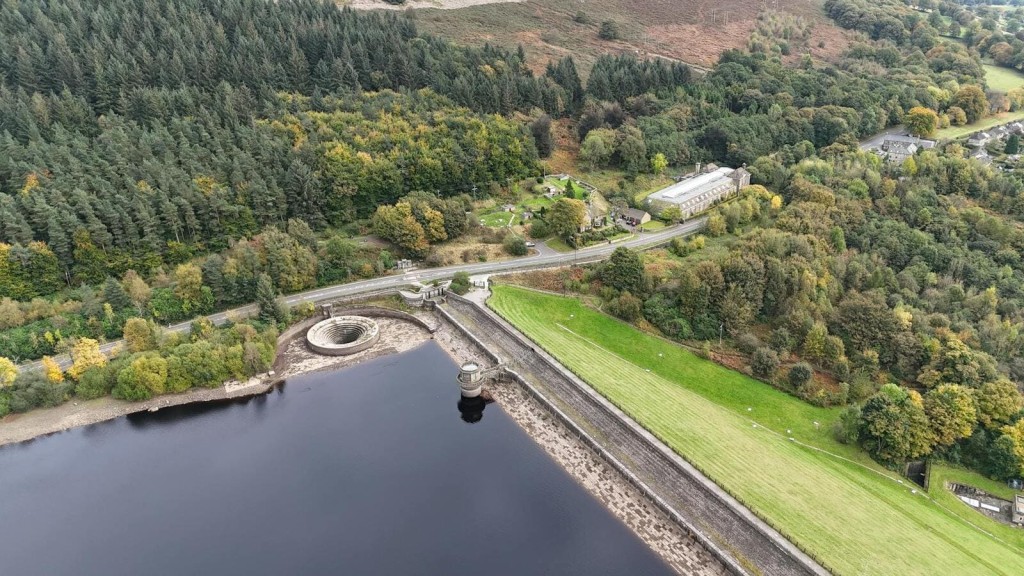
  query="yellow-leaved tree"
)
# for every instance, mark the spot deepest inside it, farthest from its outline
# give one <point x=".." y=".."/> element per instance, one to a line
<point x="52" y="370"/>
<point x="85" y="354"/>
<point x="8" y="372"/>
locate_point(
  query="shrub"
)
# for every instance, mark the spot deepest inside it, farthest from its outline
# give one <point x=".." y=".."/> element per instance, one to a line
<point x="781" y="340"/>
<point x="609" y="30"/>
<point x="539" y="229"/>
<point x="847" y="427"/>
<point x="748" y="343"/>
<point x="627" y="307"/>
<point x="514" y="245"/>
<point x="800" y="375"/>
<point x="764" y="363"/>
<point x="460" y="283"/>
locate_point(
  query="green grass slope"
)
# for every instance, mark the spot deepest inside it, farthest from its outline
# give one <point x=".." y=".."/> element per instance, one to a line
<point x="854" y="517"/>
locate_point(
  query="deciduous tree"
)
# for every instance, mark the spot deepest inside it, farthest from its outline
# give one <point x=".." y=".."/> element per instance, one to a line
<point x="951" y="413"/>
<point x="85" y="354"/>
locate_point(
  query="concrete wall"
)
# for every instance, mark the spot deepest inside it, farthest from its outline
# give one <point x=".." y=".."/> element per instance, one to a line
<point x="377" y="311"/>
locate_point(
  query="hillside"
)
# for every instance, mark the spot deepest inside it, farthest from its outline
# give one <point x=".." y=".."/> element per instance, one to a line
<point x="692" y="31"/>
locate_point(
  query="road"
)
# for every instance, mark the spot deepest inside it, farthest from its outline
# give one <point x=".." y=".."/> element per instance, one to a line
<point x="544" y="258"/>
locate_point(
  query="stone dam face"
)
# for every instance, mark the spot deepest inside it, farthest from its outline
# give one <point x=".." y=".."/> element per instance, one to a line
<point x="343" y="335"/>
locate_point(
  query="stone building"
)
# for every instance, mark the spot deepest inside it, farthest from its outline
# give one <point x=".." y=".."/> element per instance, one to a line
<point x="698" y="191"/>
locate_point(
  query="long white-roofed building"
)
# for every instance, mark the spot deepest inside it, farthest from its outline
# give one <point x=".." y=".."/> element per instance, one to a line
<point x="698" y="191"/>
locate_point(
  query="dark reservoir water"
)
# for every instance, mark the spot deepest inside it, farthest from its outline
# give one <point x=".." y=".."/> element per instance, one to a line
<point x="365" y="471"/>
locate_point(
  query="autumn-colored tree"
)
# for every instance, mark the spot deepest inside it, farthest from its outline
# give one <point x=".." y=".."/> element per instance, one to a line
<point x="137" y="289"/>
<point x="971" y="99"/>
<point x="8" y="372"/>
<point x="1016" y="433"/>
<point x="85" y="354"/>
<point x="715" y="225"/>
<point x="957" y="116"/>
<point x="397" y="224"/>
<point x="998" y="401"/>
<point x="52" y="370"/>
<point x="921" y="121"/>
<point x="566" y="216"/>
<point x="145" y="376"/>
<point x="951" y="413"/>
<point x="188" y="285"/>
<point x="139" y="335"/>
<point x="893" y="425"/>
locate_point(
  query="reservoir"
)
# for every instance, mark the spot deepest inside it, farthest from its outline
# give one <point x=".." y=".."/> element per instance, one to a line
<point x="369" y="470"/>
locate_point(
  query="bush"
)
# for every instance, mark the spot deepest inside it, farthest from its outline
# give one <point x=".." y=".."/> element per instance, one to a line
<point x="609" y="30"/>
<point x="748" y="343"/>
<point x="98" y="381"/>
<point x="514" y="245"/>
<point x="764" y="363"/>
<point x="460" y="283"/>
<point x="627" y="307"/>
<point x="781" y="341"/>
<point x="800" y="375"/>
<point x="33" y="390"/>
<point x="847" y="427"/>
<point x="581" y="17"/>
<point x="539" y="229"/>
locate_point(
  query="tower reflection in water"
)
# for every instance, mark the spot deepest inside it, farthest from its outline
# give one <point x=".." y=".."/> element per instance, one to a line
<point x="471" y="409"/>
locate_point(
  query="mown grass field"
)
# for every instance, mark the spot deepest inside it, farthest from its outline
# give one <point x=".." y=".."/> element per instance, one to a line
<point x="1001" y="78"/>
<point x="830" y="499"/>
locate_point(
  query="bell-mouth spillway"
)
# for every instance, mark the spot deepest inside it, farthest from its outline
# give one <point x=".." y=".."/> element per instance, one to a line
<point x="343" y="335"/>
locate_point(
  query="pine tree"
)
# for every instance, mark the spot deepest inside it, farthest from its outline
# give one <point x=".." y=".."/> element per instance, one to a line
<point x="266" y="298"/>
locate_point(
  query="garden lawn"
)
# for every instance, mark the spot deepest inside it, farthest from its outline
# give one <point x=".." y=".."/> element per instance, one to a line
<point x="828" y="498"/>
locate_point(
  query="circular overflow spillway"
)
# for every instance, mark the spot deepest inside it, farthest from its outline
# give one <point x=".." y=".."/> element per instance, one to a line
<point x="343" y="335"/>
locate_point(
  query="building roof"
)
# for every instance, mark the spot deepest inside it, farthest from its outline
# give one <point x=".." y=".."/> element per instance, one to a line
<point x="634" y="213"/>
<point x="902" y="148"/>
<point x="695" y="186"/>
<point x="895" y="139"/>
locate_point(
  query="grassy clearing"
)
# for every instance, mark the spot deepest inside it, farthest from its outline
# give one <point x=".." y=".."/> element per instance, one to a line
<point x="499" y="219"/>
<point x="828" y="498"/>
<point x="1001" y="78"/>
<point x="958" y="131"/>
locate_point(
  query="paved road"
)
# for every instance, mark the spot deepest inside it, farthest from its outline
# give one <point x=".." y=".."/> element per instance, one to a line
<point x="545" y="258"/>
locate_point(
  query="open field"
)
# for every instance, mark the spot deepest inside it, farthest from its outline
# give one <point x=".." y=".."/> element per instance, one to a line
<point x="988" y="122"/>
<point x="770" y="450"/>
<point x="691" y="31"/>
<point x="1001" y="78"/>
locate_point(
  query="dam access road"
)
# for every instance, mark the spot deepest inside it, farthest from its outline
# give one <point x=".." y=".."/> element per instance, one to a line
<point x="544" y="258"/>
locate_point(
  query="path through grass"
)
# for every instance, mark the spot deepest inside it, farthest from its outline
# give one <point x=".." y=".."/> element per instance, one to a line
<point x="854" y="517"/>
